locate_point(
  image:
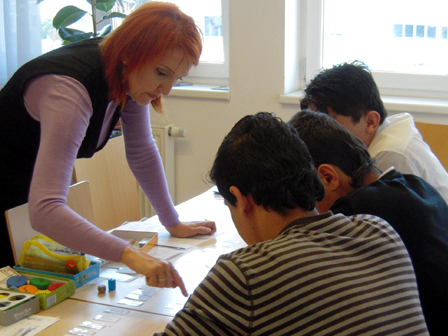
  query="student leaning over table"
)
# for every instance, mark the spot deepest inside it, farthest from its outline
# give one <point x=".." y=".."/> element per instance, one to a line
<point x="64" y="104"/>
<point x="410" y="205"/>
<point x="303" y="273"/>
<point x="348" y="93"/>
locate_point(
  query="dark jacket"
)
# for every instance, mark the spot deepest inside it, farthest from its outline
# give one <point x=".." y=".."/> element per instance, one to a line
<point x="419" y="214"/>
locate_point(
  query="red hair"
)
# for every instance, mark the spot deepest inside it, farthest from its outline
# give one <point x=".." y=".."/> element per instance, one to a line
<point x="150" y="33"/>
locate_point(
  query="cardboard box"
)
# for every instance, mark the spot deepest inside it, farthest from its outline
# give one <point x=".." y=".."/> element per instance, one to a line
<point x="56" y="296"/>
<point x="15" y="306"/>
<point x="150" y="239"/>
<point x="92" y="272"/>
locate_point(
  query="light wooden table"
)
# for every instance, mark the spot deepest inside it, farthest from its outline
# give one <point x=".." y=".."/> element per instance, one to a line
<point x="193" y="265"/>
<point x="73" y="312"/>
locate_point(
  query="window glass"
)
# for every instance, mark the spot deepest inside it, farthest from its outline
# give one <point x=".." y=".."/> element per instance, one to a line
<point x="398" y="30"/>
<point x="443" y="32"/>
<point x="208" y="17"/>
<point x="211" y="16"/>
<point x="420" y="31"/>
<point x="399" y="36"/>
<point x="409" y="31"/>
<point x="48" y="9"/>
<point x="432" y="32"/>
<point x="206" y="13"/>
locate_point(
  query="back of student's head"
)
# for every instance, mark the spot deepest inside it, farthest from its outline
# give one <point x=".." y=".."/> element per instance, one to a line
<point x="264" y="157"/>
<point x="330" y="143"/>
<point x="347" y="89"/>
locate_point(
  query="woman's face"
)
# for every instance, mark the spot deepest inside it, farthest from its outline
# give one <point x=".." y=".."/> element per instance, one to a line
<point x="153" y="80"/>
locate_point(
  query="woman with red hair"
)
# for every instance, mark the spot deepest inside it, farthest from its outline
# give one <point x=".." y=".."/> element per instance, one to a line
<point x="64" y="105"/>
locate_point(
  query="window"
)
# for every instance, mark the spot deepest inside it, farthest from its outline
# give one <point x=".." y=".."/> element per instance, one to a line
<point x="48" y="9"/>
<point x="409" y="31"/>
<point x="443" y="32"/>
<point x="31" y="33"/>
<point x="432" y="32"/>
<point x="213" y="26"/>
<point x="398" y="30"/>
<point x="406" y="49"/>
<point x="211" y="16"/>
<point x="420" y="31"/>
<point x="19" y="35"/>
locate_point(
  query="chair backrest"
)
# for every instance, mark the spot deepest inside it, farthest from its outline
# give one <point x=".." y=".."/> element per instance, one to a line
<point x="113" y="186"/>
<point x="18" y="219"/>
<point x="435" y="135"/>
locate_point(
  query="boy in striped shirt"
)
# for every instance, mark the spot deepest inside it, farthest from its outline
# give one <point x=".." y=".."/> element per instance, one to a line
<point x="302" y="273"/>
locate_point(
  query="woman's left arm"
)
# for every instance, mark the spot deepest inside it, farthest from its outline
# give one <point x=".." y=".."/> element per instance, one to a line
<point x="144" y="160"/>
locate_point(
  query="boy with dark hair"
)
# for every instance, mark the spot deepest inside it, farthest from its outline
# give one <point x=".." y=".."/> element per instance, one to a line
<point x="348" y="93"/>
<point x="303" y="273"/>
<point x="353" y="185"/>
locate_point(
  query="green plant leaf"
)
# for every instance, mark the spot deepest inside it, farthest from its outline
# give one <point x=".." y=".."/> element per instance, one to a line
<point x="75" y="37"/>
<point x="38" y="1"/>
<point x="65" y="32"/>
<point x="114" y="15"/>
<point x="78" y="37"/>
<point x="67" y="15"/>
<point x="103" y="5"/>
<point x="106" y="30"/>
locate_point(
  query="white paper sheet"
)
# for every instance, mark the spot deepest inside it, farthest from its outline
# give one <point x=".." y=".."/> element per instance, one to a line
<point x="30" y="326"/>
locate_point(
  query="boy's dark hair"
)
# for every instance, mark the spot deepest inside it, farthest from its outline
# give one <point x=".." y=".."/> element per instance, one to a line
<point x="264" y="157"/>
<point x="348" y="89"/>
<point x="331" y="143"/>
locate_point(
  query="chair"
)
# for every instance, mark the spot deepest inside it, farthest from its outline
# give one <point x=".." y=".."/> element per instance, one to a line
<point x="114" y="188"/>
<point x="435" y="136"/>
<point x="18" y="220"/>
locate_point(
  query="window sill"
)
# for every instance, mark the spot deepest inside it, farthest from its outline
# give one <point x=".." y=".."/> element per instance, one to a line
<point x="201" y="91"/>
<point x="411" y="104"/>
<point x="392" y="103"/>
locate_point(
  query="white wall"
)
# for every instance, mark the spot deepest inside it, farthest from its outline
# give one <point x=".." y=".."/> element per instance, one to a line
<point x="257" y="59"/>
<point x="256" y="81"/>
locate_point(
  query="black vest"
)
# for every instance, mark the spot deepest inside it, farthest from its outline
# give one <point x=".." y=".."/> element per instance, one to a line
<point x="20" y="133"/>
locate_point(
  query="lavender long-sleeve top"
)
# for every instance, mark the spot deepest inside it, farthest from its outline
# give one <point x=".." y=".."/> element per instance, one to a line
<point x="63" y="108"/>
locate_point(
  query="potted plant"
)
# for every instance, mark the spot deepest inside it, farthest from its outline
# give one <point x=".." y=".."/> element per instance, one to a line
<point x="71" y="14"/>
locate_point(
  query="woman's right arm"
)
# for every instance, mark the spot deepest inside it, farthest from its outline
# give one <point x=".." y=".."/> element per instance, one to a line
<point x="159" y="273"/>
<point x="63" y="108"/>
<point x="64" y="119"/>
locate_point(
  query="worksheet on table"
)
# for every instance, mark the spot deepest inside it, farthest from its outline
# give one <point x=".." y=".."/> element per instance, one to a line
<point x="164" y="237"/>
<point x="30" y="326"/>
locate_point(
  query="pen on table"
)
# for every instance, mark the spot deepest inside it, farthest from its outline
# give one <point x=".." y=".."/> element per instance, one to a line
<point x="173" y="247"/>
<point x="26" y="331"/>
<point x="22" y="331"/>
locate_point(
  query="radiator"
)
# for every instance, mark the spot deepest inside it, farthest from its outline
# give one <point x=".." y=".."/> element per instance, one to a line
<point x="164" y="137"/>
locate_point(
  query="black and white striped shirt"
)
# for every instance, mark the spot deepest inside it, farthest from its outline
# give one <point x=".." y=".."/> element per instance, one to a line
<point x="322" y="275"/>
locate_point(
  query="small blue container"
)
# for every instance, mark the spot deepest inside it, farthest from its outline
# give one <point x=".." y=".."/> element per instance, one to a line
<point x="112" y="283"/>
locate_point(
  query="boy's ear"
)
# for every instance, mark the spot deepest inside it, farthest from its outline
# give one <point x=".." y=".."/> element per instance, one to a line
<point x="244" y="204"/>
<point x="373" y="121"/>
<point x="329" y="176"/>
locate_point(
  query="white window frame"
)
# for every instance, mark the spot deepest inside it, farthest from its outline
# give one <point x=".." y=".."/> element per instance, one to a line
<point x="211" y="73"/>
<point x="215" y="73"/>
<point x="393" y="84"/>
